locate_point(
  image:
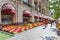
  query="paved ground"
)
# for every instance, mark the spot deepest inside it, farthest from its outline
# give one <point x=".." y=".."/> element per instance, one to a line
<point x="37" y="33"/>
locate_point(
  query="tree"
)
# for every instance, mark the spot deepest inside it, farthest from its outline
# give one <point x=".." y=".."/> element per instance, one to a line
<point x="55" y="4"/>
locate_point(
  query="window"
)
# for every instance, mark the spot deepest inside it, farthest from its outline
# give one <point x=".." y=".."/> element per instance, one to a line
<point x="25" y="19"/>
<point x="39" y="6"/>
<point x="30" y="3"/>
<point x="42" y="11"/>
<point x="33" y="5"/>
<point x="35" y="2"/>
<point x="36" y="6"/>
<point x="19" y="1"/>
<point x="13" y="0"/>
<point x="27" y="2"/>
<point x="47" y="0"/>
<point x="7" y="19"/>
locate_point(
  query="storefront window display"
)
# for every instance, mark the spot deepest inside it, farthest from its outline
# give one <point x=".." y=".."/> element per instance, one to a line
<point x="25" y="19"/>
<point x="7" y="12"/>
<point x="27" y="16"/>
<point x="36" y="17"/>
<point x="7" y="19"/>
<point x="39" y="19"/>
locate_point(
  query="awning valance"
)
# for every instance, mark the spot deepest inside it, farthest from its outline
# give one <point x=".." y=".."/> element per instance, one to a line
<point x="27" y="14"/>
<point x="8" y="9"/>
<point x="36" y="16"/>
<point x="39" y="17"/>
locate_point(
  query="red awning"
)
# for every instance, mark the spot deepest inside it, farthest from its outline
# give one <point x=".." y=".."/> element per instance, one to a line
<point x="27" y="14"/>
<point x="36" y="16"/>
<point x="46" y="18"/>
<point x="39" y="17"/>
<point x="8" y="9"/>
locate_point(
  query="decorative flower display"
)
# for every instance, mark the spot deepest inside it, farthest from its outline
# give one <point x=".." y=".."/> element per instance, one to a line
<point x="17" y="29"/>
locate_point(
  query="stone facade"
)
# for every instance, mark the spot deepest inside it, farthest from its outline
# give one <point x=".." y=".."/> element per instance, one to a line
<point x="21" y="7"/>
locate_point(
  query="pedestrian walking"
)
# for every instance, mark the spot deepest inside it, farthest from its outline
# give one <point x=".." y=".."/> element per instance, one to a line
<point x="45" y="22"/>
<point x="51" y="22"/>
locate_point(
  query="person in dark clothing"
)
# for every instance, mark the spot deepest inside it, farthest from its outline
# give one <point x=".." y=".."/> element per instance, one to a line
<point x="45" y="22"/>
<point x="52" y="22"/>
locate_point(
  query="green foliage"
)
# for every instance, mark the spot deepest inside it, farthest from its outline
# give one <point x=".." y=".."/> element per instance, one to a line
<point x="56" y="6"/>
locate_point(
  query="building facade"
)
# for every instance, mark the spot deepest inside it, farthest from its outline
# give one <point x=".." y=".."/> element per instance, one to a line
<point x="33" y="7"/>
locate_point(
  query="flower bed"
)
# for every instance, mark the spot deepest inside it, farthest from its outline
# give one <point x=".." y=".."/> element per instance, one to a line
<point x="18" y="28"/>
